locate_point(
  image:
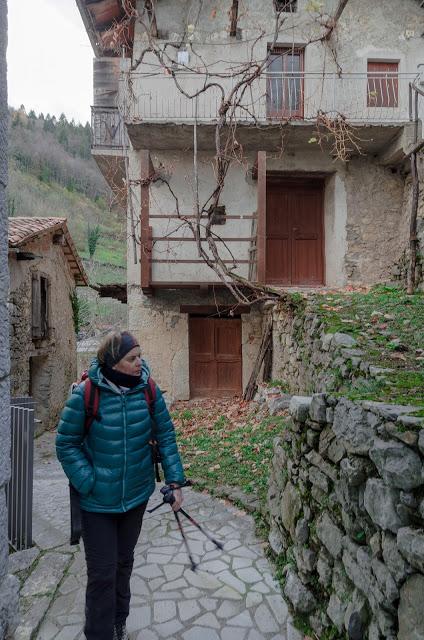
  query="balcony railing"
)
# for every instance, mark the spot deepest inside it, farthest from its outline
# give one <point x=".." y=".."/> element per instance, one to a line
<point x="379" y="98"/>
<point x="107" y="129"/>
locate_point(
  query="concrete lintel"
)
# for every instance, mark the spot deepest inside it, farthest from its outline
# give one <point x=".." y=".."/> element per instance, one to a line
<point x="398" y="148"/>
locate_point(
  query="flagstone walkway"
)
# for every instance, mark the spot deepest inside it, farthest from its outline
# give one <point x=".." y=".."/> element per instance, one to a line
<point x="232" y="595"/>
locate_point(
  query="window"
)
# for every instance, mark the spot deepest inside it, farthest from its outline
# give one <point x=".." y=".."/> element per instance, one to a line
<point x="285" y="83"/>
<point x="289" y="6"/>
<point x="40" y="307"/>
<point x="383" y="84"/>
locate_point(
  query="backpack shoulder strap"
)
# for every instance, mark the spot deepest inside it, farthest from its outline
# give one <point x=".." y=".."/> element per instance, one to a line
<point x="150" y="394"/>
<point x="91" y="403"/>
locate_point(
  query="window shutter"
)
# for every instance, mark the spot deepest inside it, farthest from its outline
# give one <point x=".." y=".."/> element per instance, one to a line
<point x="44" y="307"/>
<point x="36" y="307"/>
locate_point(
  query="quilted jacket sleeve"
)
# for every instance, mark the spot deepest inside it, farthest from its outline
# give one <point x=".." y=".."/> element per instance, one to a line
<point x="69" y="440"/>
<point x="165" y="433"/>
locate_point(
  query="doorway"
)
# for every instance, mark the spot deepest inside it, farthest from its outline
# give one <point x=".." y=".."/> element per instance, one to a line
<point x="294" y="232"/>
<point x="215" y="359"/>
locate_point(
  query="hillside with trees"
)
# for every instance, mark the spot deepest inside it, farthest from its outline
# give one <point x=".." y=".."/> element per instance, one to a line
<point x="52" y="173"/>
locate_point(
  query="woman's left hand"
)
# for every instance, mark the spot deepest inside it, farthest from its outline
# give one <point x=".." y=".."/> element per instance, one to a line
<point x="178" y="495"/>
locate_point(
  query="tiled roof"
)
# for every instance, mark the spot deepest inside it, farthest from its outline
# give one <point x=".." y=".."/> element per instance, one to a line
<point x="24" y="230"/>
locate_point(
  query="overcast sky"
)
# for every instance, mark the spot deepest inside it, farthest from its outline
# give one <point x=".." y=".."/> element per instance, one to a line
<point x="49" y="58"/>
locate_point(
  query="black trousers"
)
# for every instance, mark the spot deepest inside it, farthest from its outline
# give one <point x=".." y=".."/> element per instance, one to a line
<point x="109" y="541"/>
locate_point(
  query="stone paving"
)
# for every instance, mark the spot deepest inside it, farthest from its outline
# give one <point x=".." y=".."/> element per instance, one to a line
<point x="232" y="595"/>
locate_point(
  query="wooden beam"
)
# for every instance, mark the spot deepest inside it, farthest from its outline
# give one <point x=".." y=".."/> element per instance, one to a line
<point x="233" y="18"/>
<point x="146" y="231"/>
<point x="214" y="310"/>
<point x="261" y="232"/>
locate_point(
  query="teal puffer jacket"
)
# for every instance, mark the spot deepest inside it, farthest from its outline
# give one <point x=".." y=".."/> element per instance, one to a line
<point x="112" y="466"/>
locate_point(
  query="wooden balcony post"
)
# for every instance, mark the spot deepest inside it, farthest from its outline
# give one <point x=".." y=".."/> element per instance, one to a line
<point x="146" y="230"/>
<point x="261" y="213"/>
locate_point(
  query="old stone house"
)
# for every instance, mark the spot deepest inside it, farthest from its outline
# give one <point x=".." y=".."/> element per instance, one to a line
<point x="44" y="270"/>
<point x="317" y="191"/>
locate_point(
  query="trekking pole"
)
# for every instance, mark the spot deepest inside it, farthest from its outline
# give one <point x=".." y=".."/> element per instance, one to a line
<point x="180" y="526"/>
<point x="205" y="533"/>
<point x="169" y="498"/>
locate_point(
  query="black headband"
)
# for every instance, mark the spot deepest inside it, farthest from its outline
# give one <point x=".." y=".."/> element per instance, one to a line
<point x="128" y="342"/>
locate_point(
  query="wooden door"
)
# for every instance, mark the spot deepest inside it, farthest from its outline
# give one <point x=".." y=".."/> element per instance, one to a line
<point x="294" y="233"/>
<point x="215" y="357"/>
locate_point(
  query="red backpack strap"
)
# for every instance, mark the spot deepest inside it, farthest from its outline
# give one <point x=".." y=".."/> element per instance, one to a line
<point x="150" y="394"/>
<point x="91" y="403"/>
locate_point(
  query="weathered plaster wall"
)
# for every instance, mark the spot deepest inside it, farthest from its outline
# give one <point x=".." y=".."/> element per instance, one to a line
<point x="53" y="362"/>
<point x="385" y="33"/>
<point x="163" y="333"/>
<point x="335" y="219"/>
<point x="374" y="204"/>
<point x="9" y="585"/>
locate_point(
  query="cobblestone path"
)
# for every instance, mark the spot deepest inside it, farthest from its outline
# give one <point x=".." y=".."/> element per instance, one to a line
<point x="232" y="595"/>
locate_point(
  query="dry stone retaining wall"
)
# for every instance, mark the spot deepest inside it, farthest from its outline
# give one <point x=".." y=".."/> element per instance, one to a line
<point x="310" y="359"/>
<point x="346" y="509"/>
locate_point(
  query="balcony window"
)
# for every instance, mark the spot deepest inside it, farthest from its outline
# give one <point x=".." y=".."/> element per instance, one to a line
<point x="383" y="84"/>
<point x="285" y="83"/>
<point x="288" y="6"/>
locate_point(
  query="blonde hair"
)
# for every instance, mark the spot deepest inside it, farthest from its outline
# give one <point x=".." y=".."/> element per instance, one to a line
<point x="110" y="345"/>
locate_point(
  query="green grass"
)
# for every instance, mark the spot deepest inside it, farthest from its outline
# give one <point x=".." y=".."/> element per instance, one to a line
<point x="388" y="326"/>
<point x="35" y="198"/>
<point x="232" y="455"/>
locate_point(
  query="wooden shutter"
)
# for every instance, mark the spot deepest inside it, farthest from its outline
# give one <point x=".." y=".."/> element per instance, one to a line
<point x="44" y="307"/>
<point x="36" y="306"/>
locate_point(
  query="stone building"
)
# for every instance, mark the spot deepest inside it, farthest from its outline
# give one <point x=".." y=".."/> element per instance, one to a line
<point x="9" y="585"/>
<point x="44" y="270"/>
<point x="319" y="140"/>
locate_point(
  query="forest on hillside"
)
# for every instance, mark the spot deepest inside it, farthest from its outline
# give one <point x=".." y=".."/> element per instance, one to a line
<point x="52" y="174"/>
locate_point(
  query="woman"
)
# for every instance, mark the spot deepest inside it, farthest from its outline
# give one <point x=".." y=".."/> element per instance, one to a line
<point x="111" y="467"/>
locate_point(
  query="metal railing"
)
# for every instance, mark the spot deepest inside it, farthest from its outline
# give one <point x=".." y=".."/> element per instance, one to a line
<point x="374" y="97"/>
<point x="107" y="129"/>
<point x="19" y="491"/>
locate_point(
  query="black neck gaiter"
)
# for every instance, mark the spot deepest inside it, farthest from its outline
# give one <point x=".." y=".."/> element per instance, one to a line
<point x="120" y="379"/>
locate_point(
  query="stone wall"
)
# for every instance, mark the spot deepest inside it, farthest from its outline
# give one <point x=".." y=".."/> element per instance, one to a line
<point x="9" y="585"/>
<point x="346" y="507"/>
<point x="374" y="221"/>
<point x="44" y="369"/>
<point x="399" y="269"/>
<point x="308" y="359"/>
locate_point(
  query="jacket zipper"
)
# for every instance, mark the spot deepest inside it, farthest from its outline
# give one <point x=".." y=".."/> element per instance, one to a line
<point x="124" y="403"/>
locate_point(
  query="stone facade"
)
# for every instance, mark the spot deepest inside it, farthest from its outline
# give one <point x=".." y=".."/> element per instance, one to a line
<point x="43" y="369"/>
<point x="9" y="585"/>
<point x="399" y="269"/>
<point x="344" y="500"/>
<point x="163" y="334"/>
